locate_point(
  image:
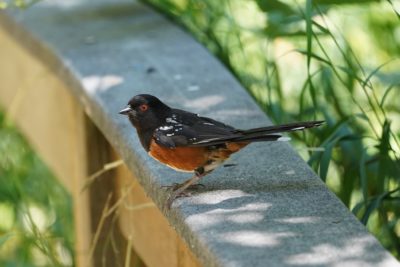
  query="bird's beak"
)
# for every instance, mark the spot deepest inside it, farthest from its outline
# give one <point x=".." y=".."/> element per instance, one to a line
<point x="125" y="111"/>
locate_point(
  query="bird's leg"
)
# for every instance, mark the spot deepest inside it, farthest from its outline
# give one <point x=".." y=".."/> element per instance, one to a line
<point x="180" y="190"/>
<point x="198" y="172"/>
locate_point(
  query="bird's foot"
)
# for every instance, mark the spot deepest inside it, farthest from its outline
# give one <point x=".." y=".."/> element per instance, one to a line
<point x="175" y="195"/>
<point x="178" y="193"/>
<point x="180" y="190"/>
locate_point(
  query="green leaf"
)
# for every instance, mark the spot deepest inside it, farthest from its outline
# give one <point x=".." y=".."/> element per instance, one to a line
<point x="320" y="27"/>
<point x="275" y="6"/>
<point x="363" y="175"/>
<point x="387" y="91"/>
<point x="376" y="203"/>
<point x="325" y="161"/>
<point x="343" y="2"/>
<point x="358" y="207"/>
<point x="375" y="71"/>
<point x="308" y="17"/>
<point x="4" y="238"/>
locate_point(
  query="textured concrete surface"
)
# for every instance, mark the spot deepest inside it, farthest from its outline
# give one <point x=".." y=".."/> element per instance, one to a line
<point x="270" y="210"/>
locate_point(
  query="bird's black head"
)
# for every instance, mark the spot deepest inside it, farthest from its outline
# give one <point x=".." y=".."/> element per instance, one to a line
<point x="146" y="112"/>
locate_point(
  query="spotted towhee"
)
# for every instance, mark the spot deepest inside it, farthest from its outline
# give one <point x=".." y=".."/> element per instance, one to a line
<point x="188" y="142"/>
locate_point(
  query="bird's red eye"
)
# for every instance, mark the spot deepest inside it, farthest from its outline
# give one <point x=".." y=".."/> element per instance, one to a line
<point x="143" y="107"/>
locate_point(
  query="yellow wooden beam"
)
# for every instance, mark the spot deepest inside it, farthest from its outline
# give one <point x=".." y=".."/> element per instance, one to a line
<point x="152" y="236"/>
<point x="53" y="122"/>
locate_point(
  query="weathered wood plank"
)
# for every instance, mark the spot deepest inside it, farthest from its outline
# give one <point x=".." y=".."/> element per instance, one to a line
<point x="152" y="236"/>
<point x="109" y="247"/>
<point x="53" y="122"/>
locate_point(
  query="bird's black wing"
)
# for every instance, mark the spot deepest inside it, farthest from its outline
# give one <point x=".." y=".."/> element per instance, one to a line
<point x="183" y="128"/>
<point x="188" y="129"/>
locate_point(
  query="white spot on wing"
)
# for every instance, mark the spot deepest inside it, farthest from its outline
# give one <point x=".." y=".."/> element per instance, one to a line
<point x="283" y="138"/>
<point x="207" y="140"/>
<point x="171" y="120"/>
<point x="165" y="128"/>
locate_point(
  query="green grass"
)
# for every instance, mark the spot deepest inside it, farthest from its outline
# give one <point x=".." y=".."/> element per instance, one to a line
<point x="333" y="61"/>
<point x="36" y="224"/>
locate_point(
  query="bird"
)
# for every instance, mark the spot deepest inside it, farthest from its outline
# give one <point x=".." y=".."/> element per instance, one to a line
<point x="188" y="142"/>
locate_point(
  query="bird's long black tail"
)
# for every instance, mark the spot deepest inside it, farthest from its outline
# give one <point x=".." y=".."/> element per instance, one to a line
<point x="272" y="133"/>
<point x="268" y="133"/>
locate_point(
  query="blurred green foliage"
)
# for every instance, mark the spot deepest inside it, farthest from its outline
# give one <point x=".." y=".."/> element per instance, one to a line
<point x="16" y="3"/>
<point x="335" y="60"/>
<point x="36" y="220"/>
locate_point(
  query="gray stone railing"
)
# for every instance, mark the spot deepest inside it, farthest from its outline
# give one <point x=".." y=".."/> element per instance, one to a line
<point x="68" y="67"/>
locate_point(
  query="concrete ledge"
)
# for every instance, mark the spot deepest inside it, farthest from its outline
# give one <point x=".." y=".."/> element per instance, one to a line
<point x="270" y="210"/>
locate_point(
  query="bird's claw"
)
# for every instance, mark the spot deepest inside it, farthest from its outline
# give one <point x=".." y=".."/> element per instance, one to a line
<point x="174" y="196"/>
<point x="180" y="190"/>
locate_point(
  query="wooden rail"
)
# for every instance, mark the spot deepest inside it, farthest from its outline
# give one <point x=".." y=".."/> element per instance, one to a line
<point x="66" y="69"/>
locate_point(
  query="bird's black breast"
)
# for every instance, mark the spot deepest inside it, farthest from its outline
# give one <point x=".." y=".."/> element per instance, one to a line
<point x="145" y="138"/>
